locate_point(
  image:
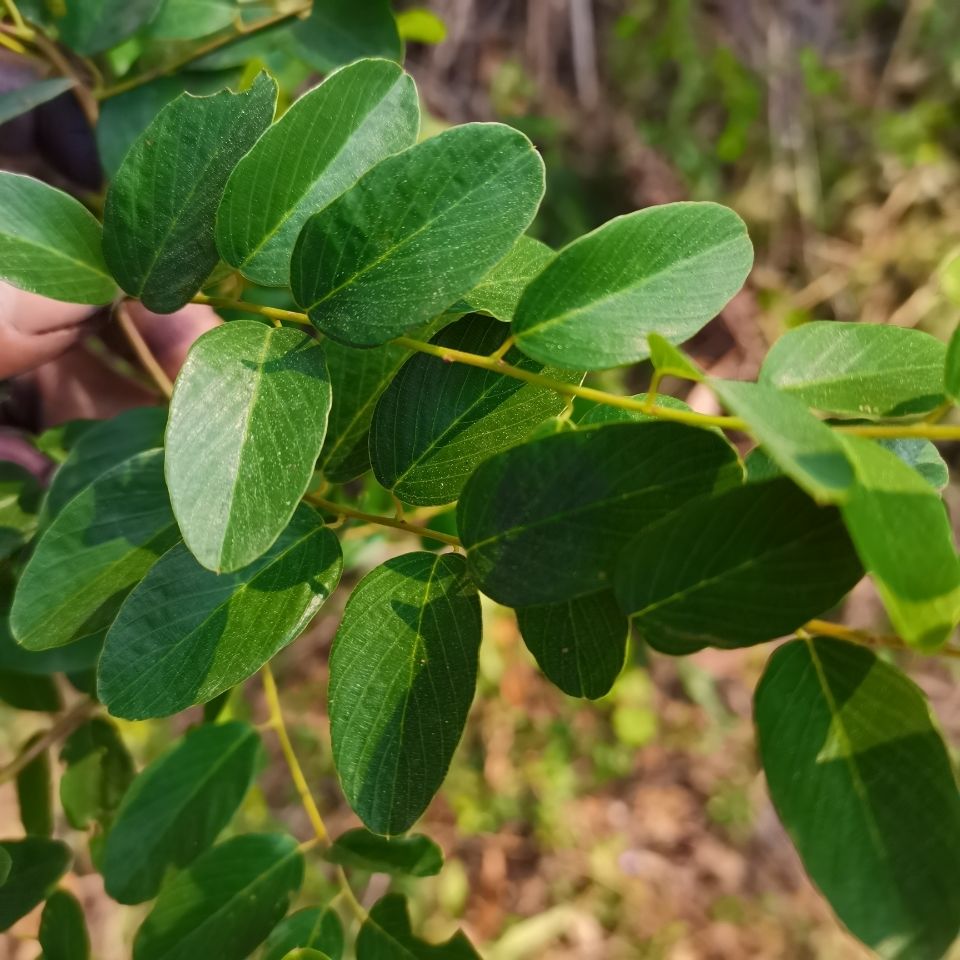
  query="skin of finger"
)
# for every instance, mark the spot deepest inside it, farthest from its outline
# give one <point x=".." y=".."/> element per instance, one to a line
<point x="170" y="335"/>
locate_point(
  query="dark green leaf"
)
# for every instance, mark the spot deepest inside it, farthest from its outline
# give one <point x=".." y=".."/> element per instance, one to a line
<point x="667" y="269"/>
<point x="402" y="674"/>
<point x="806" y="449"/>
<point x="177" y="806"/>
<point x="314" y="927"/>
<point x="386" y="935"/>
<point x="249" y="400"/>
<point x="739" y="568"/>
<point x="602" y="413"/>
<point x="213" y="708"/>
<point x="413" y="856"/>
<point x="35" y="792"/>
<point x="161" y="206"/>
<point x="13" y="103"/>
<point x="27" y="691"/>
<point x="50" y="243"/>
<point x="63" y="931"/>
<point x="449" y="209"/>
<point x="359" y="116"/>
<point x="90" y="557"/>
<point x="186" y="634"/>
<point x="580" y="644"/>
<point x="544" y="522"/>
<point x="862" y="781"/>
<point x="92" y="26"/>
<point x="37" y="865"/>
<point x="437" y="421"/>
<point x="20" y="495"/>
<point x="902" y="533"/>
<point x="858" y="369"/>
<point x="191" y="19"/>
<point x="6" y="862"/>
<point x="924" y="457"/>
<point x="340" y="31"/>
<point x="225" y="903"/>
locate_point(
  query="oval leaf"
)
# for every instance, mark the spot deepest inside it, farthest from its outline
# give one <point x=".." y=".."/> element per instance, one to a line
<point x="449" y="209"/>
<point x="36" y="865"/>
<point x="738" y="568"/>
<point x="312" y="928"/>
<point x="161" y="206"/>
<point x="247" y="421"/>
<point x="668" y="269"/>
<point x="185" y="634"/>
<point x="63" y="931"/>
<point x="413" y="856"/>
<point x="580" y="496"/>
<point x="35" y="793"/>
<point x="862" y="781"/>
<point x="353" y="120"/>
<point x="402" y="675"/>
<point x="50" y="243"/>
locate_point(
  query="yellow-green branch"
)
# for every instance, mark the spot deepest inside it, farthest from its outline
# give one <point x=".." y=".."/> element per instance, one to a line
<point x="392" y="522"/>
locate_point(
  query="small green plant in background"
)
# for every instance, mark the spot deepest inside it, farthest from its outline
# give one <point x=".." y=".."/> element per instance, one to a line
<point x="388" y="314"/>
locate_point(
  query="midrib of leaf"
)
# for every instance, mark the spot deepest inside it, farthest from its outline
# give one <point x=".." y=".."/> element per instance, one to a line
<point x="29" y="241"/>
<point x="905" y="372"/>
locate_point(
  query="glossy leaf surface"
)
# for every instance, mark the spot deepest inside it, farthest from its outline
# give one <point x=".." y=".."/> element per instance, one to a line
<point x="414" y="856"/>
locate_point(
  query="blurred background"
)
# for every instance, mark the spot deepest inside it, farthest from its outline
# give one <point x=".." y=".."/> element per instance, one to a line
<point x="638" y="826"/>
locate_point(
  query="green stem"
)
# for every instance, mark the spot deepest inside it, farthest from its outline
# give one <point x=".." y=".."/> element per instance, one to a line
<point x="67" y="723"/>
<point x="392" y="522"/>
<point x="824" y="628"/>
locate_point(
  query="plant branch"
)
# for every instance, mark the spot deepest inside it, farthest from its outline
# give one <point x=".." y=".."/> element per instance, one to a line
<point x="65" y="725"/>
<point x="825" y="628"/>
<point x="391" y="522"/>
<point x="85" y="97"/>
<point x="143" y="352"/>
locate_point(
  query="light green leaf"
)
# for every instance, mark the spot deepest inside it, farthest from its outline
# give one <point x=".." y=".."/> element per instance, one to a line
<point x="177" y="806"/>
<point x="544" y="522"/>
<point x="901" y="531"/>
<point x="402" y="674"/>
<point x="668" y="270"/>
<point x="90" y="557"/>
<point x="50" y="243"/>
<point x="858" y="369"/>
<point x="437" y="421"/>
<point x="449" y="209"/>
<point x="951" y="372"/>
<point x="413" y="856"/>
<point x="341" y="31"/>
<point x="92" y="26"/>
<point x="669" y="360"/>
<point x="318" y="149"/>
<point x="185" y="634"/>
<point x="499" y="292"/>
<point x="160" y="210"/>
<point x="63" y="930"/>
<point x="13" y="103"/>
<point x="37" y="865"/>
<point x="249" y="399"/>
<point x="312" y="928"/>
<point x="306" y="953"/>
<point x="35" y="792"/>
<point x="20" y="495"/>
<point x="805" y="448"/>
<point x="421" y="26"/>
<point x="602" y="413"/>
<point x="863" y="783"/>
<point x="386" y="935"/>
<point x="924" y="457"/>
<point x="741" y="567"/>
<point x="580" y="644"/>
<point x="191" y="19"/>
<point x="225" y="903"/>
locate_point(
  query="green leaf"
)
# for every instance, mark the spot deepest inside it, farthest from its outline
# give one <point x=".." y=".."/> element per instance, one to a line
<point x="92" y="26"/>
<point x="248" y="399"/>
<point x="449" y="209"/>
<point x="192" y="19"/>
<point x="437" y="421"/>
<point x="669" y="360"/>
<point x="20" y="495"/>
<point x="314" y="927"/>
<point x="544" y="522"/>
<point x="90" y="557"/>
<point x="306" y="953"/>
<point x="13" y="103"/>
<point x="99" y="769"/>
<point x="225" y="903"/>
<point x="123" y="118"/>
<point x="35" y="792"/>
<point x="63" y="931"/>
<point x="386" y="935"/>
<point x="951" y="373"/>
<point x="103" y="446"/>
<point x="924" y="457"/>
<point x="499" y="292"/>
<point x="402" y="674"/>
<point x="602" y="413"/>
<point x="318" y="149"/>
<point x="185" y="634"/>
<point x="177" y="806"/>
<point x="413" y="856"/>
<point x="858" y="369"/>
<point x="6" y="862"/>
<point x="37" y="865"/>
<point x="50" y="243"/>
<point x="580" y="644"/>
<point x="902" y="533"/>
<point x="805" y="448"/>
<point x="421" y="26"/>
<point x="158" y="221"/>
<point x="744" y="566"/>
<point x="57" y="442"/>
<point x="863" y="783"/>
<point x="29" y="692"/>
<point x="341" y="31"/>
<point x="667" y="269"/>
